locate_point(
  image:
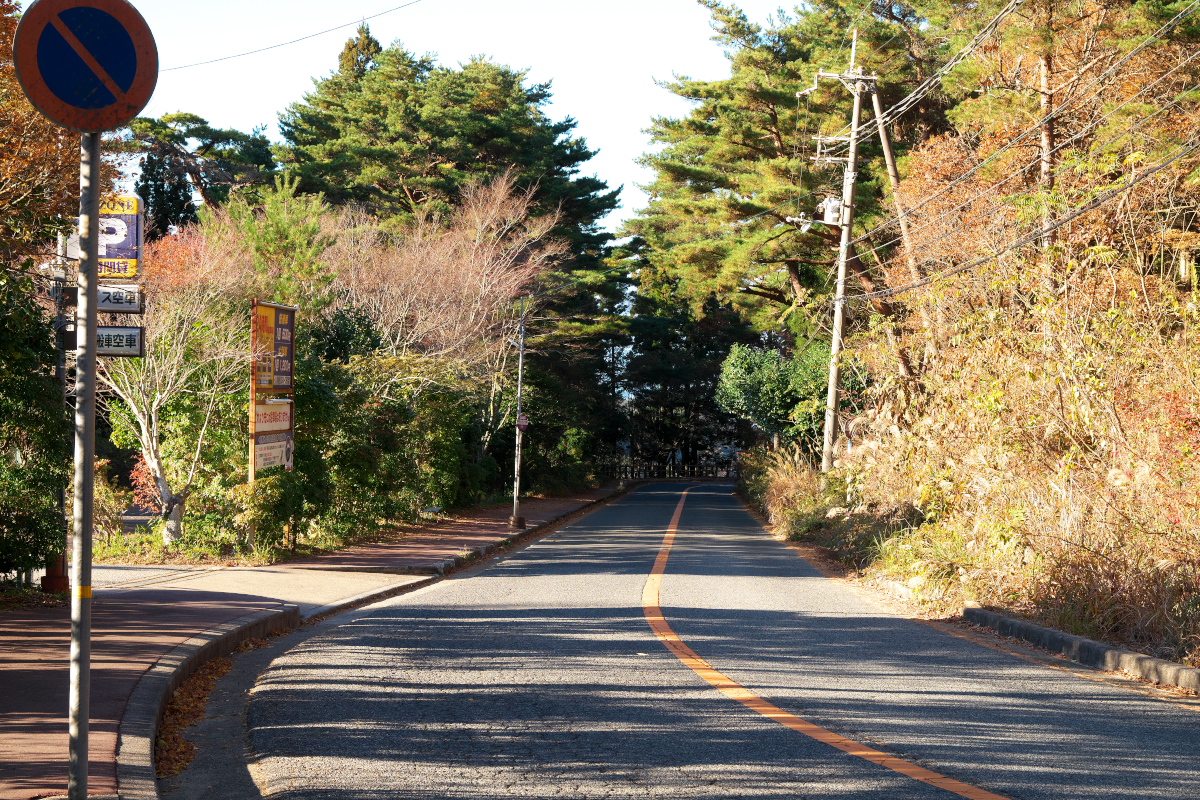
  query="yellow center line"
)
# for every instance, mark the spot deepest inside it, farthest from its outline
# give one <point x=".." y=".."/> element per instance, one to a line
<point x="651" y="597"/>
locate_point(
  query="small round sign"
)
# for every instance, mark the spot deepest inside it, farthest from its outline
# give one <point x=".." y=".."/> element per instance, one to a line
<point x="523" y="422"/>
<point x="88" y="65"/>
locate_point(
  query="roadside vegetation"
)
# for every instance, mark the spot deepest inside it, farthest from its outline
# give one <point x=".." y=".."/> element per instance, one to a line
<point x="1020" y="420"/>
<point x="1026" y="428"/>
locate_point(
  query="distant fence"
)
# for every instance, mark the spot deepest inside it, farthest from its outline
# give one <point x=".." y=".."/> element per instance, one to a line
<point x="650" y="471"/>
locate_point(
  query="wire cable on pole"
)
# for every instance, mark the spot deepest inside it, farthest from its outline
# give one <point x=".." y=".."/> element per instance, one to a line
<point x="1191" y="146"/>
<point x="1059" y="147"/>
<point x="359" y="21"/>
<point x="1036" y="127"/>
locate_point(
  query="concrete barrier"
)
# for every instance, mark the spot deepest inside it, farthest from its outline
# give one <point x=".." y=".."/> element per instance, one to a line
<point x="136" y="776"/>
<point x="1088" y="651"/>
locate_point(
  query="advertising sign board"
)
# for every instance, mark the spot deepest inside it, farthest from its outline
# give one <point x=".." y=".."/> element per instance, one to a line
<point x="120" y="236"/>
<point x="120" y="299"/>
<point x="273" y="450"/>
<point x="272" y="417"/>
<point x="121" y="231"/>
<point x="120" y="342"/>
<point x="274" y="334"/>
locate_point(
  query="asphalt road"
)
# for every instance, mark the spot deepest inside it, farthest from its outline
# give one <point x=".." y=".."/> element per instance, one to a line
<point x="539" y="676"/>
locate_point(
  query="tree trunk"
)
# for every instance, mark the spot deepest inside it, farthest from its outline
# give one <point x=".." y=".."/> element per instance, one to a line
<point x="173" y="530"/>
<point x="1046" y="71"/>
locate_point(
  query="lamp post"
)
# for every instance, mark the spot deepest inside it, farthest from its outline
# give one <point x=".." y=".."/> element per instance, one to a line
<point x="516" y="520"/>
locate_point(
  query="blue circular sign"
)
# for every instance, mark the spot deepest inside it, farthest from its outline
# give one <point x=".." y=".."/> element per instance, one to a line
<point x="89" y="65"/>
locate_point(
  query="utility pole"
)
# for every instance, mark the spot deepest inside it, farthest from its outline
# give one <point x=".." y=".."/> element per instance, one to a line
<point x="858" y="84"/>
<point x="516" y="520"/>
<point x="889" y="157"/>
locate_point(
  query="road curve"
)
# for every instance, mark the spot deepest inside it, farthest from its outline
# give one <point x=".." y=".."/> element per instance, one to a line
<point x="553" y="673"/>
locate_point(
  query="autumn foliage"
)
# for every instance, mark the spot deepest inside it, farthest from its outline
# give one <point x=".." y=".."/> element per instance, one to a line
<point x="1050" y="447"/>
<point x="1041" y="454"/>
<point x="39" y="162"/>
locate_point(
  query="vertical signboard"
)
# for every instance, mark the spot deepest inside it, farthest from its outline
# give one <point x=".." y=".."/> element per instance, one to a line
<point x="121" y="230"/>
<point x="274" y="333"/>
<point x="120" y="249"/>
<point x="272" y="411"/>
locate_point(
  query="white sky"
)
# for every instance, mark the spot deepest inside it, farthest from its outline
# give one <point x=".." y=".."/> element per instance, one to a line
<point x="603" y="57"/>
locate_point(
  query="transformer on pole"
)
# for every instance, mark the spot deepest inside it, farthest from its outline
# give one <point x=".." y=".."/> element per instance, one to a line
<point x="859" y="85"/>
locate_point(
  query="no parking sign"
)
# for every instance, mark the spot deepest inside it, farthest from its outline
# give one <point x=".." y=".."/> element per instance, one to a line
<point x="89" y="65"/>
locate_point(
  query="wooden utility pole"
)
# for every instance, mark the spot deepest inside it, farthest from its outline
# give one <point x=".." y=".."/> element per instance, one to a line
<point x="858" y="84"/>
<point x="889" y="157"/>
<point x="915" y="273"/>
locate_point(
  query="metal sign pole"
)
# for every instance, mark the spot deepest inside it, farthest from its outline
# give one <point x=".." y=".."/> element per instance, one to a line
<point x="516" y="520"/>
<point x="85" y="453"/>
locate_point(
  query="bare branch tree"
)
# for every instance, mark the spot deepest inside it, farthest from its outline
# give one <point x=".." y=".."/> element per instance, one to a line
<point x="198" y="352"/>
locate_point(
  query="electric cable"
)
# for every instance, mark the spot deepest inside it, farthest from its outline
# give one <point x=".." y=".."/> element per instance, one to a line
<point x="1059" y="147"/>
<point x="1036" y="127"/>
<point x="293" y="41"/>
<point x="1191" y="146"/>
<point x="927" y="85"/>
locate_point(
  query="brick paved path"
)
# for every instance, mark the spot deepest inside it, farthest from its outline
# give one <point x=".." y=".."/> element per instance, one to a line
<point x="135" y="625"/>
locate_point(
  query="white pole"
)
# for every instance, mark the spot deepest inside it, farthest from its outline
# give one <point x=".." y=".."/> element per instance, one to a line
<point x="516" y="520"/>
<point x="839" y="303"/>
<point x="85" y="455"/>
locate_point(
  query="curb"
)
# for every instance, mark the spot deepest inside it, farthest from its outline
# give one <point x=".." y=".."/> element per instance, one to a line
<point x="136" y="776"/>
<point x="366" y="598"/>
<point x="1088" y="651"/>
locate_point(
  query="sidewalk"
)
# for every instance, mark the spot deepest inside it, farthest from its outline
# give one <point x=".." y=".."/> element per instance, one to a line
<point x="136" y="622"/>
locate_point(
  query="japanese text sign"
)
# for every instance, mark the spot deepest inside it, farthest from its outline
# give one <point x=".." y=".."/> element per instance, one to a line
<point x="274" y="335"/>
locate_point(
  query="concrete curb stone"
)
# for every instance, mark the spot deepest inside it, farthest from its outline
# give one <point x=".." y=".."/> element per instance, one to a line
<point x="136" y="776"/>
<point x="1088" y="651"/>
<point x="373" y="596"/>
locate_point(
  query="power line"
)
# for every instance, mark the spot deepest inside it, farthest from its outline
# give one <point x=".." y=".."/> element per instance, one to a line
<point x="1157" y="35"/>
<point x="1036" y="127"/>
<point x="1191" y="146"/>
<point x="1060" y="146"/>
<point x="928" y="85"/>
<point x="293" y="41"/>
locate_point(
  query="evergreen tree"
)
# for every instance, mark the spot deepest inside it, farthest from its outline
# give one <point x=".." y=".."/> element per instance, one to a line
<point x="732" y="172"/>
<point x="214" y="160"/>
<point x="167" y="193"/>
<point x="360" y="53"/>
<point x="673" y="372"/>
<point x="404" y="136"/>
<point x="34" y="431"/>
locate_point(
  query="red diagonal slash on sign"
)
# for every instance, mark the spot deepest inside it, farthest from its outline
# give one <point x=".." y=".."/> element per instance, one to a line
<point x="87" y="57"/>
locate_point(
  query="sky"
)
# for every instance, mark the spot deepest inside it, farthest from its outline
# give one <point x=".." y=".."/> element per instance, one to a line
<point x="603" y="58"/>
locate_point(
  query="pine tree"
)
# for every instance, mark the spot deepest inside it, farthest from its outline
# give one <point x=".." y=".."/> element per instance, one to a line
<point x="732" y="172"/>
<point x="404" y="136"/>
<point x="214" y="160"/>
<point x="359" y="54"/>
<point x="167" y="194"/>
